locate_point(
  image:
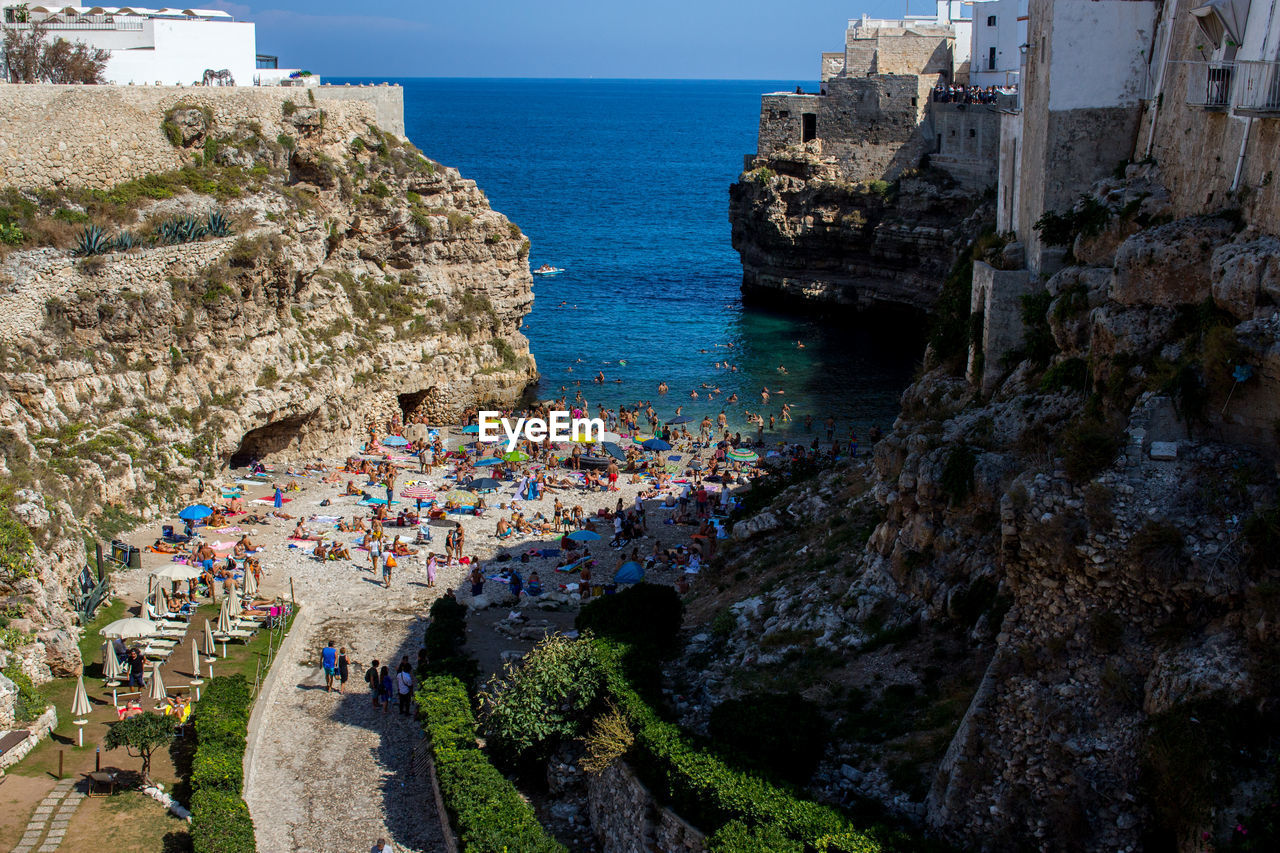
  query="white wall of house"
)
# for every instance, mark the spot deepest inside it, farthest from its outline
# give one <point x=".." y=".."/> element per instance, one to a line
<point x="1099" y="56"/>
<point x="1005" y="36"/>
<point x="176" y="51"/>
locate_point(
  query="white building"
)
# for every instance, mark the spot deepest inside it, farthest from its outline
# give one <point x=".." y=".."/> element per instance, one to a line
<point x="999" y="33"/>
<point x="155" y="46"/>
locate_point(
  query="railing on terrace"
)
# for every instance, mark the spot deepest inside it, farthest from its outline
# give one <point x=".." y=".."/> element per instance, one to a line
<point x="1258" y="87"/>
<point x="1209" y="84"/>
<point x="84" y="22"/>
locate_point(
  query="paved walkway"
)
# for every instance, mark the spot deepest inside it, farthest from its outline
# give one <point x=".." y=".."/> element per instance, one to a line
<point x="331" y="772"/>
<point x="49" y="824"/>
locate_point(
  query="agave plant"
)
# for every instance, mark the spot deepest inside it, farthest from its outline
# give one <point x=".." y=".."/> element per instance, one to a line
<point x="93" y="240"/>
<point x="125" y="241"/>
<point x="217" y="225"/>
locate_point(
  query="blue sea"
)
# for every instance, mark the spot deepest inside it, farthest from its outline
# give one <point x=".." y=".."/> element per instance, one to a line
<point x="625" y="184"/>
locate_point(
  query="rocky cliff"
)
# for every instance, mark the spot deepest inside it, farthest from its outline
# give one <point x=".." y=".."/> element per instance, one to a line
<point x="357" y="280"/>
<point x="1047" y="618"/>
<point x="807" y="236"/>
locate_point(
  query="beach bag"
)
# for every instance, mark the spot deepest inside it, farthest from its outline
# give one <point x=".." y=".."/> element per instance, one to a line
<point x="391" y="562"/>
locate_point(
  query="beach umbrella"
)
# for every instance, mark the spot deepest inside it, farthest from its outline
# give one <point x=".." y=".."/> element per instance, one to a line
<point x="682" y="419"/>
<point x="210" y="651"/>
<point x="655" y="444"/>
<point x="80" y="707"/>
<point x="461" y="497"/>
<point x="419" y="491"/>
<point x="195" y="512"/>
<point x="132" y="626"/>
<point x="224" y="616"/>
<point x="471" y="429"/>
<point x="488" y="460"/>
<point x="250" y="583"/>
<point x="157" y="691"/>
<point x="615" y="450"/>
<point x="195" y="660"/>
<point x="742" y="455"/>
<point x="177" y="572"/>
<point x="584" y="536"/>
<point x="394" y="441"/>
<point x="516" y="456"/>
<point x="484" y="484"/>
<point x="629" y="572"/>
<point x="110" y="663"/>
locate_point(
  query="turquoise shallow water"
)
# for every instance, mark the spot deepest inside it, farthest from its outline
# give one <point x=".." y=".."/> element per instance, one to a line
<point x="625" y="184"/>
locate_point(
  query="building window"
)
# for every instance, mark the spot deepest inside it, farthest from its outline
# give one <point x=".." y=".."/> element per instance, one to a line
<point x="991" y="59"/>
<point x="991" y="20"/>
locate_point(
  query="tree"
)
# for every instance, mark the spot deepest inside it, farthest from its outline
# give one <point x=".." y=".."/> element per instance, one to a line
<point x="30" y="57"/>
<point x="140" y="736"/>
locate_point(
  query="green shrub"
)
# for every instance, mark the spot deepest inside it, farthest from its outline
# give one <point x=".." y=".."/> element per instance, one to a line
<point x="486" y="811"/>
<point x="1071" y="373"/>
<point x="220" y="823"/>
<point x="1088" y="446"/>
<point x="749" y="726"/>
<point x="15" y="546"/>
<point x="738" y="837"/>
<point x="647" y="616"/>
<point x="11" y="234"/>
<point x="30" y="701"/>
<point x="218" y="764"/>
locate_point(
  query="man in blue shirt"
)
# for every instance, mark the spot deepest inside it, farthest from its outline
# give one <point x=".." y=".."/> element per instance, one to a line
<point x="329" y="659"/>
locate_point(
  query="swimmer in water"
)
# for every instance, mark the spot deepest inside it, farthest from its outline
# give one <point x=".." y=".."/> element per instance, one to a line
<point x="693" y="394"/>
<point x="799" y="345"/>
<point x="781" y="369"/>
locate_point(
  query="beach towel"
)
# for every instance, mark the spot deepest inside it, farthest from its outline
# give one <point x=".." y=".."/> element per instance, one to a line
<point x="270" y="501"/>
<point x="326" y="519"/>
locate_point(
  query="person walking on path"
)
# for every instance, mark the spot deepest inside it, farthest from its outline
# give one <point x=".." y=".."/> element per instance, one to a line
<point x="374" y="680"/>
<point x="404" y="684"/>
<point x="387" y="565"/>
<point x="137" y="665"/>
<point x="375" y="553"/>
<point x="388" y="687"/>
<point x="431" y="569"/>
<point x="382" y="846"/>
<point x="344" y="670"/>
<point x="329" y="660"/>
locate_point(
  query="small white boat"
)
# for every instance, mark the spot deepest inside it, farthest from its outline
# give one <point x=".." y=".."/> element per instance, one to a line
<point x="546" y="269"/>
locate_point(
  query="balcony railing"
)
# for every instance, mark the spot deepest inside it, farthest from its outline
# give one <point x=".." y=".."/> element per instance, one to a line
<point x="1258" y="87"/>
<point x="83" y="22"/>
<point x="1209" y="84"/>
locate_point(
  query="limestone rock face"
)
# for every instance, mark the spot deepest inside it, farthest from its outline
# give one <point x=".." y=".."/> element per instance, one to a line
<point x="1246" y="277"/>
<point x="362" y="282"/>
<point x="1169" y="265"/>
<point x="807" y="236"/>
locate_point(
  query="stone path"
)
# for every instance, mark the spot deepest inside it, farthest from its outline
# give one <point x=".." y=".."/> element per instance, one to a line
<point x="330" y="772"/>
<point x="49" y="824"/>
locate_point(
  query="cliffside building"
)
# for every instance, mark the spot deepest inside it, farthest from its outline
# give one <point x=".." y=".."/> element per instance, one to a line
<point x="157" y="46"/>
<point x="999" y="33"/>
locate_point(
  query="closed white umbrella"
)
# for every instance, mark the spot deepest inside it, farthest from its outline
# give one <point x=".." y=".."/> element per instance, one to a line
<point x="157" y="691"/>
<point x="110" y="663"/>
<point x="130" y="627"/>
<point x="210" y="650"/>
<point x="80" y="707"/>
<point x="195" y="660"/>
<point x="250" y="583"/>
<point x="224" y="616"/>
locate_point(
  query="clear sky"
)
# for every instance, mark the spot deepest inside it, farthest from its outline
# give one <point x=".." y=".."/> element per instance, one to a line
<point x="719" y="39"/>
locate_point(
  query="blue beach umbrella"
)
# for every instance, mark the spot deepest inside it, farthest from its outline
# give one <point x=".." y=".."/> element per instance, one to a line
<point x="488" y="460"/>
<point x="195" y="512"/>
<point x="682" y="419"/>
<point x="395" y="441"/>
<point x="482" y="485"/>
<point x="629" y="572"/>
<point x="655" y="444"/>
<point x="584" y="536"/>
<point x="614" y="450"/>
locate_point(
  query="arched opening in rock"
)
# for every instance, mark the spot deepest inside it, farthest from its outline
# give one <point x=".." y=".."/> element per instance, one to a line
<point x="411" y="403"/>
<point x="275" y="437"/>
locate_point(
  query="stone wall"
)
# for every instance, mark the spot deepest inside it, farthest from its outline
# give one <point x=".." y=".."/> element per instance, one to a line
<point x="871" y="125"/>
<point x="1198" y="149"/>
<point x="780" y="120"/>
<point x="966" y="142"/>
<point x="628" y="819"/>
<point x="893" y="50"/>
<point x="996" y="297"/>
<point x="99" y="136"/>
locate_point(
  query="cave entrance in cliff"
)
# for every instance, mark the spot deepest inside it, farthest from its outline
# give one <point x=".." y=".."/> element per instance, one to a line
<point x="274" y="437"/>
<point x="808" y="127"/>
<point x="411" y="403"/>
